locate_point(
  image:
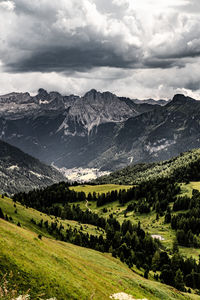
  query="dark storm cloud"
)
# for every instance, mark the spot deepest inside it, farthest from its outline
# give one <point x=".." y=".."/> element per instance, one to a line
<point x="120" y="44"/>
<point x="61" y="60"/>
<point x="193" y="85"/>
<point x="182" y="54"/>
<point x="70" y="35"/>
<point x="162" y="63"/>
<point x="77" y="35"/>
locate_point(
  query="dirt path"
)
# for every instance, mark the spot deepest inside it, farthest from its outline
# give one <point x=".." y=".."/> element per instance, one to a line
<point x="86" y="205"/>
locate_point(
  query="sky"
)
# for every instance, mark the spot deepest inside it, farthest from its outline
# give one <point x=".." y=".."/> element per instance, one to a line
<point x="134" y="48"/>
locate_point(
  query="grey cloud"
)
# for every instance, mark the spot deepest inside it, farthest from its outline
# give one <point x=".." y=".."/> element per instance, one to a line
<point x="71" y="36"/>
<point x="162" y="63"/>
<point x="144" y="83"/>
<point x="193" y="6"/>
<point x="60" y="59"/>
<point x="54" y="37"/>
<point x="181" y="49"/>
<point x="193" y="85"/>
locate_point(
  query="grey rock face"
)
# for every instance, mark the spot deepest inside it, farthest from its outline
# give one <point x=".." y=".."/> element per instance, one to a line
<point x="98" y="130"/>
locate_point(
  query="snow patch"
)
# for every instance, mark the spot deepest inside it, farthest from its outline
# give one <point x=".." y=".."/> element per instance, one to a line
<point x="36" y="174"/>
<point x="159" y="145"/>
<point x="14" y="167"/>
<point x="131" y="159"/>
<point x="43" y="102"/>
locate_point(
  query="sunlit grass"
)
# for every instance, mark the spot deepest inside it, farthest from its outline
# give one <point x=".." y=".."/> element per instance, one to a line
<point x="186" y="189"/>
<point x="56" y="269"/>
<point x="104" y="188"/>
<point x="21" y="214"/>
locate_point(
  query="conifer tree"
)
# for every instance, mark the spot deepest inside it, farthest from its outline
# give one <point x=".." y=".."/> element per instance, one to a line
<point x="178" y="281"/>
<point x="1" y="214"/>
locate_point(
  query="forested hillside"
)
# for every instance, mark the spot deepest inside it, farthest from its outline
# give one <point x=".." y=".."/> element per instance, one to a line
<point x="182" y="168"/>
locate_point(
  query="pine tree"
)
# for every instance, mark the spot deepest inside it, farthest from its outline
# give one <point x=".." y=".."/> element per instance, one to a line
<point x="167" y="217"/>
<point x="156" y="261"/>
<point x="175" y="248"/>
<point x="146" y="273"/>
<point x="1" y="214"/>
<point x="178" y="281"/>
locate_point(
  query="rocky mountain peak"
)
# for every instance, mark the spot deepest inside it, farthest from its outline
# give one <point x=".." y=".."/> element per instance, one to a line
<point x="92" y="92"/>
<point x="18" y="98"/>
<point x="55" y="94"/>
<point x="181" y="99"/>
<point x="94" y="97"/>
<point x="43" y="95"/>
<point x="93" y="109"/>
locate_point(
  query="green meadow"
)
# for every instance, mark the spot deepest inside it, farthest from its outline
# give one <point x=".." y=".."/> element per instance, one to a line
<point x="186" y="189"/>
<point x="103" y="188"/>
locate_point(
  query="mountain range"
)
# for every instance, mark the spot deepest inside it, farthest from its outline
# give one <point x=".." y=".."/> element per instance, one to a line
<point x="21" y="172"/>
<point x="98" y="130"/>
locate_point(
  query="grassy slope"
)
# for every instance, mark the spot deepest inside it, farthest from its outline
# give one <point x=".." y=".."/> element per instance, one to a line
<point x="24" y="215"/>
<point x="186" y="189"/>
<point x="54" y="268"/>
<point x="104" y="188"/>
